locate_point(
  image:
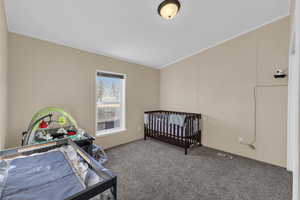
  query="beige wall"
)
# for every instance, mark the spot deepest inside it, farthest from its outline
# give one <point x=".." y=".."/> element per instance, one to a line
<point x="292" y="6"/>
<point x="219" y="83"/>
<point x="45" y="74"/>
<point x="3" y="74"/>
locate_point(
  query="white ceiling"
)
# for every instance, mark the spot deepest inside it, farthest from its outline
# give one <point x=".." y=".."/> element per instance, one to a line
<point x="132" y="30"/>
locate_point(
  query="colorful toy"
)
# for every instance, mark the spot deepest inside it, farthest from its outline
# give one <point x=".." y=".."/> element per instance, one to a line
<point x="43" y="124"/>
<point x="51" y="124"/>
<point x="62" y="120"/>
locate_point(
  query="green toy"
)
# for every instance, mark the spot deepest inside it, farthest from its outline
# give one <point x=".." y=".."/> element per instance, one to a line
<point x="50" y="124"/>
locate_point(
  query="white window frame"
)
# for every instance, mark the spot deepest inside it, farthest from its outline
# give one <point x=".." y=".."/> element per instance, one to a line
<point x="123" y="107"/>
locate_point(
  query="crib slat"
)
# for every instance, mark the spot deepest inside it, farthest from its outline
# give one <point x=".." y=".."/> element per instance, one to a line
<point x="190" y="134"/>
<point x="172" y="128"/>
<point x="193" y="130"/>
<point x="174" y="131"/>
<point x="155" y="124"/>
<point x="181" y="133"/>
<point x="166" y="124"/>
<point x="159" y="124"/>
<point x="152" y="124"/>
<point x="189" y="131"/>
<point x="199" y="132"/>
<point x="177" y="132"/>
<point x="149" y="124"/>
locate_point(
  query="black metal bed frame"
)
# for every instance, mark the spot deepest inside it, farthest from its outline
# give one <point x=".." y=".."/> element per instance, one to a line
<point x="109" y="183"/>
<point x="189" y="138"/>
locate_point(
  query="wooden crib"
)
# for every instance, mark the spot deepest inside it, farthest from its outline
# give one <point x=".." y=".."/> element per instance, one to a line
<point x="178" y="128"/>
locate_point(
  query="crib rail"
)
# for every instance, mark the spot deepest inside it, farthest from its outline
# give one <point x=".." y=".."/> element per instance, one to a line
<point x="158" y="125"/>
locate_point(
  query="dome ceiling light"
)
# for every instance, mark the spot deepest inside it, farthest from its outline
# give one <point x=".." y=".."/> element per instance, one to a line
<point x="168" y="9"/>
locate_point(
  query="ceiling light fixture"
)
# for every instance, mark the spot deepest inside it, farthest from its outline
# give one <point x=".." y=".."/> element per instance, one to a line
<point x="169" y="8"/>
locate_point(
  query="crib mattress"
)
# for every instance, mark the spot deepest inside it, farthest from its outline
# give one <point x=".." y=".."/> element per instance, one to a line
<point x="45" y="176"/>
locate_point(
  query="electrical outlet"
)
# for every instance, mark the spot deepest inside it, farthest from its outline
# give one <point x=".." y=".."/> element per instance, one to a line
<point x="251" y="146"/>
<point x="241" y="140"/>
<point x="139" y="128"/>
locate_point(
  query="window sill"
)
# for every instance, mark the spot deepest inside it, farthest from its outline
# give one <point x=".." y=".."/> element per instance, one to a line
<point x="110" y="132"/>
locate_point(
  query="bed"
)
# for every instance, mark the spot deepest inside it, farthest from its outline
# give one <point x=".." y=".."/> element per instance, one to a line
<point x="178" y="128"/>
<point x="55" y="170"/>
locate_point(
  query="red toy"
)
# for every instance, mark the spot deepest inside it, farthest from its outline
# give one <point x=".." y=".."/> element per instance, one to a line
<point x="71" y="132"/>
<point x="43" y="124"/>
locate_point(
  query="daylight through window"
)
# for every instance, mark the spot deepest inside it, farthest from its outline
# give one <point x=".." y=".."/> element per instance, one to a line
<point x="110" y="101"/>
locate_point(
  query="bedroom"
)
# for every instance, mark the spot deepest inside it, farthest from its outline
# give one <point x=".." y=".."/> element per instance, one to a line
<point x="229" y="64"/>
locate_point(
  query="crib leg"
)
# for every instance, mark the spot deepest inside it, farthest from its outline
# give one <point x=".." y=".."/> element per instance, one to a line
<point x="200" y="140"/>
<point x="185" y="151"/>
<point x="114" y="191"/>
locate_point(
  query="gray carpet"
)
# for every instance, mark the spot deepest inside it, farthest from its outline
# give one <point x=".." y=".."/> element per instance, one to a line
<point x="151" y="170"/>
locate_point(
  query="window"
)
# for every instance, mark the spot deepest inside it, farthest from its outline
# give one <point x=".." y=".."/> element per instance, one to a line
<point x="110" y="103"/>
